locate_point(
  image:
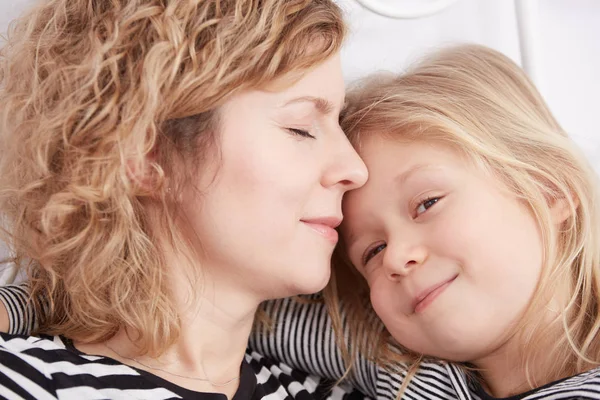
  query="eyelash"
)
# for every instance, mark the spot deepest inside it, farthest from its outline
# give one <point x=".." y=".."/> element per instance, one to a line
<point x="372" y="252"/>
<point x="300" y="132"/>
<point x="433" y="199"/>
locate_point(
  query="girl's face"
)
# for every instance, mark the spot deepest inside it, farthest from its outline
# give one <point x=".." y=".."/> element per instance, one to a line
<point x="264" y="216"/>
<point x="451" y="257"/>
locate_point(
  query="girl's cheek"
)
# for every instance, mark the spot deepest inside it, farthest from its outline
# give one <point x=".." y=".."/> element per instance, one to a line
<point x="378" y="299"/>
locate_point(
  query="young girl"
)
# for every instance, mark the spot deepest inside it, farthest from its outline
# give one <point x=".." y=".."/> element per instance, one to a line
<point x="166" y="167"/>
<point x="477" y="236"/>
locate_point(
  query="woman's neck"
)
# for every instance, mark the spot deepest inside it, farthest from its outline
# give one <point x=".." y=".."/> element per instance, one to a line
<point x="215" y="325"/>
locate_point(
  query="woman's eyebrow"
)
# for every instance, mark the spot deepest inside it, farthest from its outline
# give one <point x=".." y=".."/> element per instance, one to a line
<point x="322" y="105"/>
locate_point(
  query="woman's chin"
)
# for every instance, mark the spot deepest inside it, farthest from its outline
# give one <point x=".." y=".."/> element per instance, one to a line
<point x="309" y="282"/>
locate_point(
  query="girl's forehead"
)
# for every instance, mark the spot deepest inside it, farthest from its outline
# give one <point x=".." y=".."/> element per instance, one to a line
<point x="405" y="153"/>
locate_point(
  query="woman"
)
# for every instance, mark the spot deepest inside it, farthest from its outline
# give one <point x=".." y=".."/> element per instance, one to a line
<point x="168" y="166"/>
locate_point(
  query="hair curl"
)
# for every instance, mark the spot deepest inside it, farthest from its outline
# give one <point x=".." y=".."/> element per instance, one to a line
<point x="91" y="91"/>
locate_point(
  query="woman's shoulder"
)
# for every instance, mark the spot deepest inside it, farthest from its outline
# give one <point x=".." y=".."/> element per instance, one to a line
<point x="48" y="353"/>
<point x="29" y="344"/>
<point x="50" y="367"/>
<point x="46" y="349"/>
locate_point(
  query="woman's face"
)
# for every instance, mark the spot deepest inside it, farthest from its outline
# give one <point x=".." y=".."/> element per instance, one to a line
<point x="265" y="215"/>
<point x="452" y="258"/>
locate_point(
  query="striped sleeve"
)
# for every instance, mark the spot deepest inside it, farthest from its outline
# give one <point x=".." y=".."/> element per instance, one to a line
<point x="302" y="336"/>
<point x="21" y="312"/>
<point x="20" y="378"/>
<point x="432" y="381"/>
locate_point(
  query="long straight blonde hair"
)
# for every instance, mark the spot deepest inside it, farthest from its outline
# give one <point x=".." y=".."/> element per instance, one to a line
<point x="480" y="102"/>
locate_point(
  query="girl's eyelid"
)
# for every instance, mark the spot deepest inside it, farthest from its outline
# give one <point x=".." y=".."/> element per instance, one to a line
<point x="424" y="199"/>
<point x="360" y="256"/>
<point x="367" y="254"/>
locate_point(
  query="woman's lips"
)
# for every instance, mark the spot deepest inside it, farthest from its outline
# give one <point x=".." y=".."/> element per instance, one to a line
<point x="324" y="230"/>
<point x="325" y="226"/>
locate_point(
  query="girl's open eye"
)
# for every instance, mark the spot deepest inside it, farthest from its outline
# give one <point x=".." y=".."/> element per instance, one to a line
<point x="301" y="132"/>
<point x="372" y="252"/>
<point x="427" y="204"/>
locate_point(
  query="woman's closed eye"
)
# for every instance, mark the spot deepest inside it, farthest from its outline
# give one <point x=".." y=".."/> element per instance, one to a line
<point x="300" y="132"/>
<point x="372" y="252"/>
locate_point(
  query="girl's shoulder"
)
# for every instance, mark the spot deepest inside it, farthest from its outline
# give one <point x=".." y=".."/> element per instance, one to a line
<point x="584" y="386"/>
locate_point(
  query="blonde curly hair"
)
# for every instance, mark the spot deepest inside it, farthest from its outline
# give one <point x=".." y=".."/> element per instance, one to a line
<point x="93" y="90"/>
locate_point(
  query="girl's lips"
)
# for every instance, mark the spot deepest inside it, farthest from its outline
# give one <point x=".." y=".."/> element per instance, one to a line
<point x="429" y="295"/>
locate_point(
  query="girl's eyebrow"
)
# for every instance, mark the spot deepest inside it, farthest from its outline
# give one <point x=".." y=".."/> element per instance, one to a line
<point x="351" y="239"/>
<point x="402" y="177"/>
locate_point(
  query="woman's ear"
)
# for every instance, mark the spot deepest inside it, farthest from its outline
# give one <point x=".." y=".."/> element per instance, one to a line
<point x="142" y="174"/>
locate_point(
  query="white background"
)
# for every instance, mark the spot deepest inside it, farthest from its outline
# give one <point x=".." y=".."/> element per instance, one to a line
<point x="568" y="51"/>
<point x="568" y="62"/>
<point x="568" y="38"/>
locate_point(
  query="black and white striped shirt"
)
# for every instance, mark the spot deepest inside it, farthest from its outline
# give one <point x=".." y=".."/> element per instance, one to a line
<point x="52" y="368"/>
<point x="48" y="367"/>
<point x="303" y="340"/>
